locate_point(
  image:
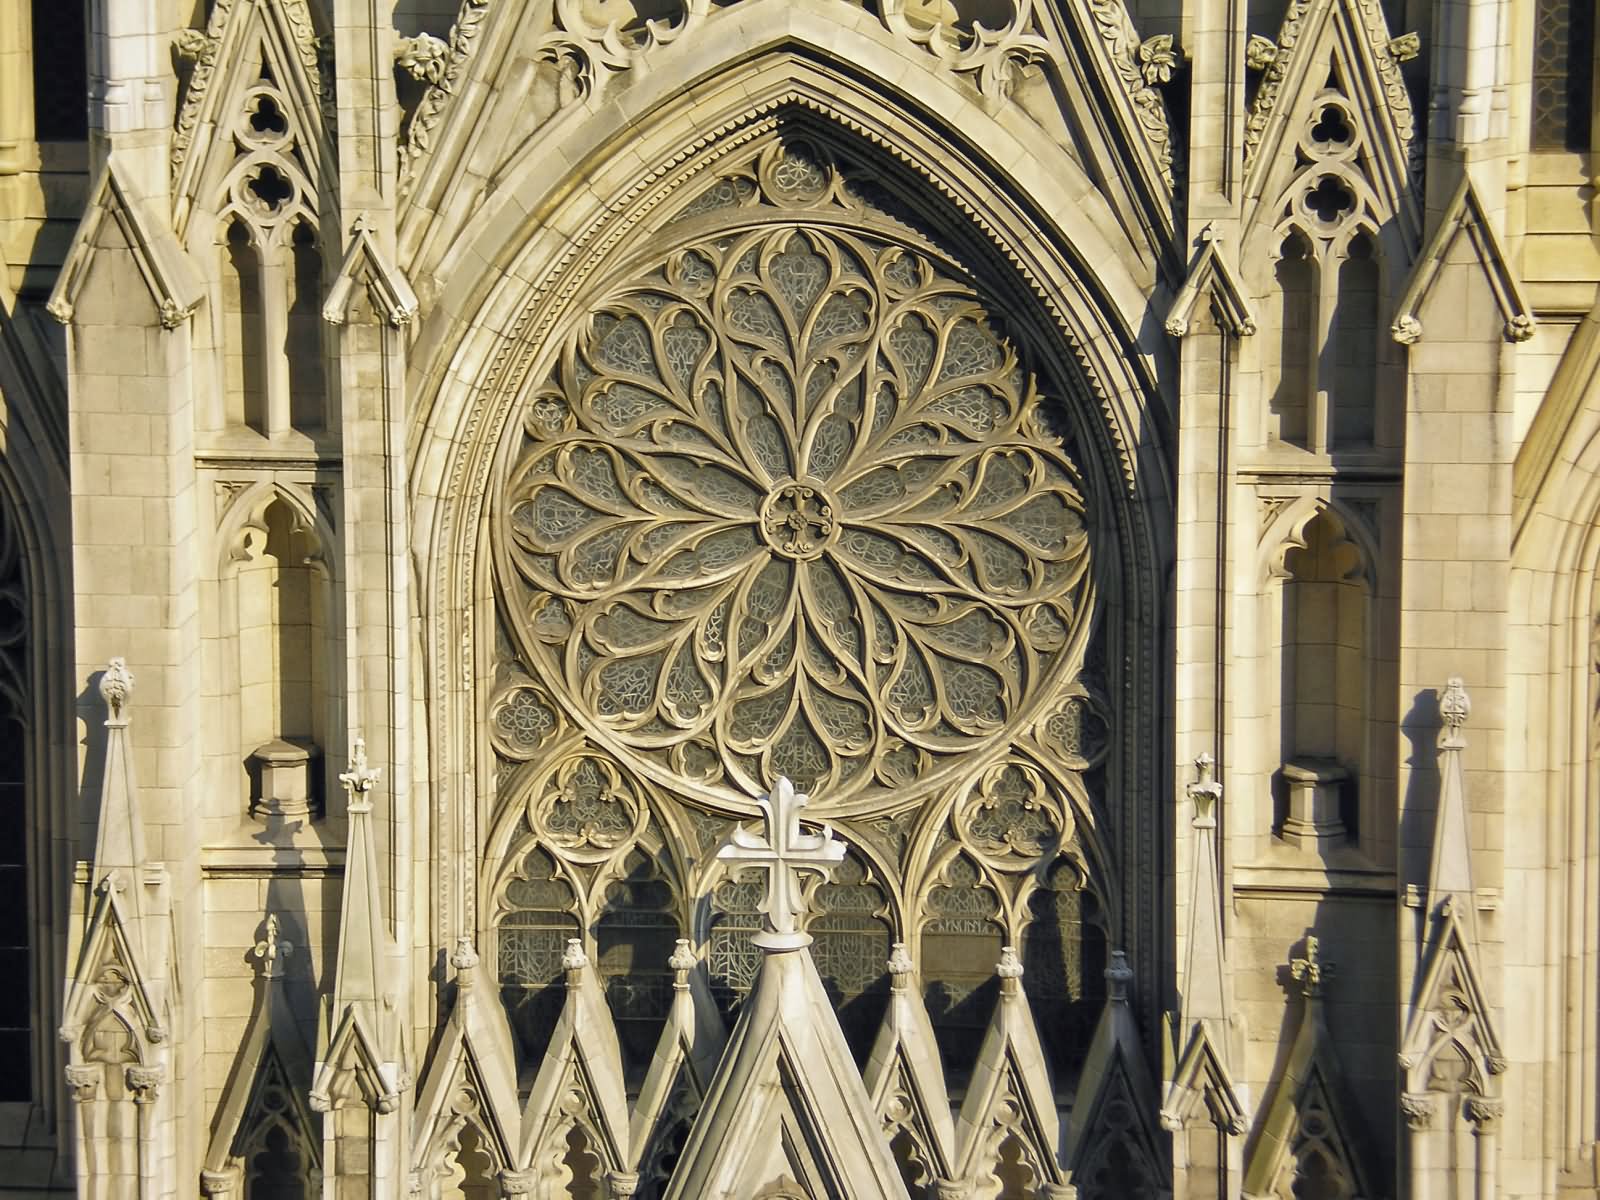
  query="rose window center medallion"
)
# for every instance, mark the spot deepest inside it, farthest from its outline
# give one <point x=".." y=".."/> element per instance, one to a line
<point x="792" y="503"/>
<point x="797" y="520"/>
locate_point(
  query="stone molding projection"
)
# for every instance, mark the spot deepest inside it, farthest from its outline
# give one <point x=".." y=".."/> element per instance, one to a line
<point x="801" y="599"/>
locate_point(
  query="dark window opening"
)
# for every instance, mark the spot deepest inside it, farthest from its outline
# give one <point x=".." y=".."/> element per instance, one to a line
<point x="60" y="72"/>
<point x="1563" y="74"/>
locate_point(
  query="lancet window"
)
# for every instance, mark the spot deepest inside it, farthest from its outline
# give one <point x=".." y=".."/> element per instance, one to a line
<point x="635" y="935"/>
<point x="961" y="942"/>
<point x="1324" y="376"/>
<point x="268" y="328"/>
<point x="1064" y="960"/>
<point x="540" y="916"/>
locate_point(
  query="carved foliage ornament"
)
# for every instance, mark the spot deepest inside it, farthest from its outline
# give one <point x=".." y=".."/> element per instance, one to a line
<point x="792" y="503"/>
<point x="992" y="56"/>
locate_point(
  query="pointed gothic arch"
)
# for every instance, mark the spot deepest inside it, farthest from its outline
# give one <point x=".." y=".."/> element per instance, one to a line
<point x="529" y="710"/>
<point x="36" y="703"/>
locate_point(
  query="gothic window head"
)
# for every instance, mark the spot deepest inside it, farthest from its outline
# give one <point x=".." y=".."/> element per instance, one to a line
<point x="793" y="496"/>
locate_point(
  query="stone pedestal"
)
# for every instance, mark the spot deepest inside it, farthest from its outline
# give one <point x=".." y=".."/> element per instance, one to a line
<point x="1314" y="820"/>
<point x="281" y="778"/>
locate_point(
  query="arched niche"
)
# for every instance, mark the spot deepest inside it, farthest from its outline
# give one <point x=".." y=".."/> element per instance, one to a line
<point x="1321" y="686"/>
<point x="275" y="659"/>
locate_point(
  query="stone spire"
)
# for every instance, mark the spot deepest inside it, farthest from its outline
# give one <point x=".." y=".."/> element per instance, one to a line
<point x="361" y="933"/>
<point x="1205" y="970"/>
<point x="1450" y="870"/>
<point x="1202" y="1085"/>
<point x="361" y="1052"/>
<point x="787" y="1108"/>
<point x="119" y="848"/>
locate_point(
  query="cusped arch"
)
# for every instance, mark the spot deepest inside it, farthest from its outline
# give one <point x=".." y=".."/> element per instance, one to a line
<point x="246" y="514"/>
<point x="1286" y="532"/>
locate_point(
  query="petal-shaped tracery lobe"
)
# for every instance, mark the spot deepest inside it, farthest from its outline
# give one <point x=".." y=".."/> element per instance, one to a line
<point x="789" y="500"/>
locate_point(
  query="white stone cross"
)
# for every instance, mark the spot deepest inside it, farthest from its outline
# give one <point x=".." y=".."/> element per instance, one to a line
<point x="783" y="853"/>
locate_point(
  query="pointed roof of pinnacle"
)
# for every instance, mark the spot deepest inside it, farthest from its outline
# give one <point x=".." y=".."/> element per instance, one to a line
<point x="361" y="932"/>
<point x="787" y="1107"/>
<point x="1204" y="991"/>
<point x="119" y="839"/>
<point x="1450" y="871"/>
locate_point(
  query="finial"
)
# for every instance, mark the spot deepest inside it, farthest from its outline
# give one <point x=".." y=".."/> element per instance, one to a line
<point x="464" y="957"/>
<point x="783" y="854"/>
<point x="574" y="959"/>
<point x="358" y="780"/>
<point x="1310" y="970"/>
<point x="271" y="951"/>
<point x="1205" y="791"/>
<point x="682" y="959"/>
<point x="116" y="685"/>
<point x="1119" y="977"/>
<point x="1455" y="706"/>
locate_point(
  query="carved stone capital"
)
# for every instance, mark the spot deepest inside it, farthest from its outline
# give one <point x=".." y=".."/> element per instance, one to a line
<point x="218" y="1183"/>
<point x="84" y="1082"/>
<point x="1485" y="1112"/>
<point x="622" y="1183"/>
<point x="1418" y="1109"/>
<point x="517" y="1183"/>
<point x="145" y="1084"/>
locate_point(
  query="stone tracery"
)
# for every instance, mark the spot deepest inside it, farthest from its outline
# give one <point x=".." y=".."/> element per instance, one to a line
<point x="792" y="503"/>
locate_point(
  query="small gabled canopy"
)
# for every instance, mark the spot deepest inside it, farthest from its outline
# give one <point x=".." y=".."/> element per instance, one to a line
<point x="1213" y="276"/>
<point x="363" y="1042"/>
<point x="273" y="1054"/>
<point x="585" y="1056"/>
<point x="686" y="1056"/>
<point x="1464" y="217"/>
<point x="1309" y="1096"/>
<point x="904" y="1068"/>
<point x="115" y="220"/>
<point x="354" y="1067"/>
<point x="121" y="967"/>
<point x="475" y="1054"/>
<point x="1010" y="1068"/>
<point x="787" y="1102"/>
<point x="112" y="976"/>
<point x="368" y="268"/>
<point x="1114" y="1070"/>
<point x="1451" y="1014"/>
<point x="1202" y="1086"/>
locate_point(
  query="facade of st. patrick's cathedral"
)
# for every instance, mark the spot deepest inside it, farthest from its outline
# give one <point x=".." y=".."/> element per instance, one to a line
<point x="799" y="599"/>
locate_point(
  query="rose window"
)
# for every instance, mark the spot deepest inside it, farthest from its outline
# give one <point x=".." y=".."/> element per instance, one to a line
<point x="794" y="503"/>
